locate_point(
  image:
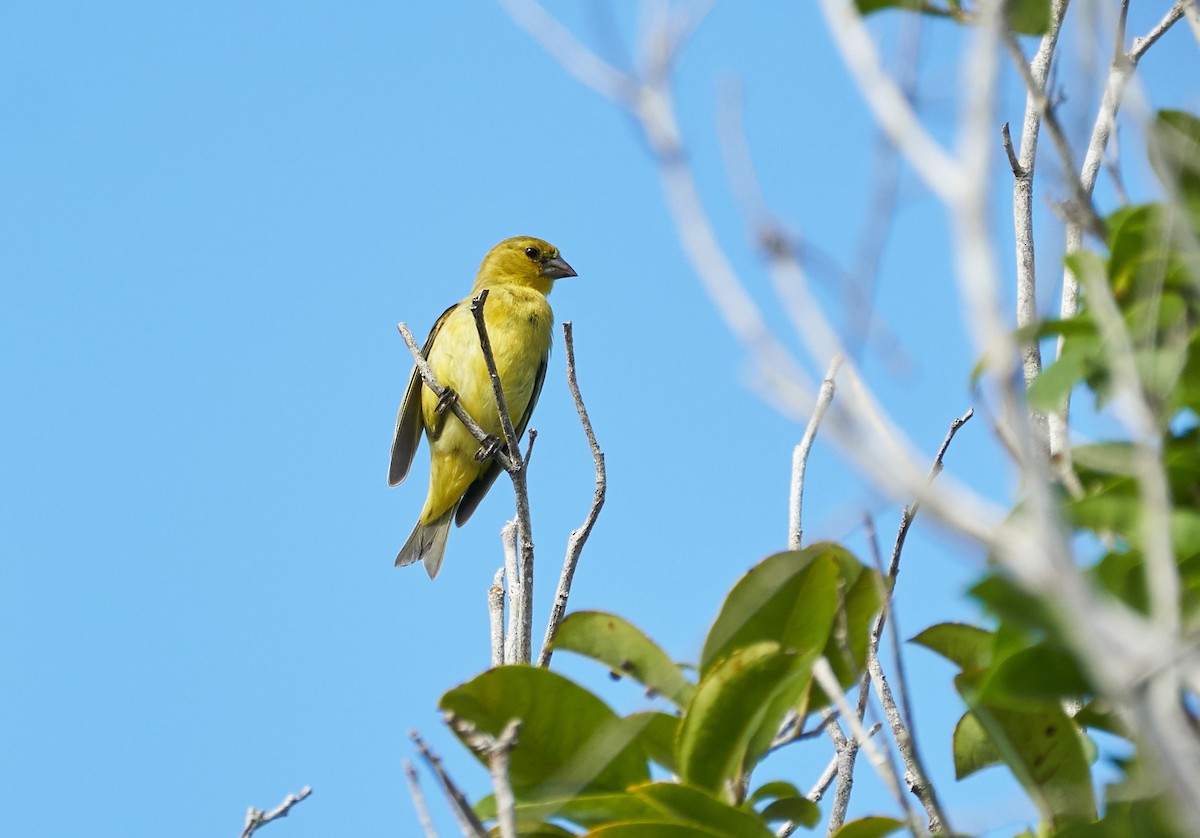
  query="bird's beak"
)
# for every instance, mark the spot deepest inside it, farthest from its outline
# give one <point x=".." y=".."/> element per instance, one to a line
<point x="557" y="268"/>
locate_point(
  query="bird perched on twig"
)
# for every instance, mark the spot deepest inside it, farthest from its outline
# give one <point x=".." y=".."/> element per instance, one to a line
<point x="518" y="273"/>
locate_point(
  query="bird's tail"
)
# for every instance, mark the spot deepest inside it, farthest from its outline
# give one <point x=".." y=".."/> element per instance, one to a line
<point x="427" y="543"/>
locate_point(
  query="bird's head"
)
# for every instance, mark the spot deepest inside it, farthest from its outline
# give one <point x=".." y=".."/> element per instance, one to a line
<point x="523" y="260"/>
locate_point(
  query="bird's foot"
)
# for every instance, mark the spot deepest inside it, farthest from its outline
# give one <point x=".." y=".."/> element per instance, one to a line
<point x="447" y="398"/>
<point x="488" y="448"/>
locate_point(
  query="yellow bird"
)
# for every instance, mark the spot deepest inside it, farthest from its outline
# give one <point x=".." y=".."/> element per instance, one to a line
<point x="518" y="274"/>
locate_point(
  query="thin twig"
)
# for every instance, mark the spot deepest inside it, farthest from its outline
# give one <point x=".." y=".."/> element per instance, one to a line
<point x="800" y="455"/>
<point x="1022" y="165"/>
<point x="440" y="391"/>
<point x="512" y="573"/>
<point x="824" y="676"/>
<point x="580" y="535"/>
<point x="496" y="750"/>
<point x="468" y="821"/>
<point x="1081" y="207"/>
<point x="496" y="617"/>
<point x="524" y="604"/>
<point x="414" y="789"/>
<point x="822" y="785"/>
<point x="846" y="753"/>
<point x="902" y="724"/>
<point x="1121" y="70"/>
<point x="910" y="511"/>
<point x="257" y="817"/>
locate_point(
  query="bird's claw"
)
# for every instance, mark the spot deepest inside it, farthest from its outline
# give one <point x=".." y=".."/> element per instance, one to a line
<point x="447" y="398"/>
<point x="488" y="448"/>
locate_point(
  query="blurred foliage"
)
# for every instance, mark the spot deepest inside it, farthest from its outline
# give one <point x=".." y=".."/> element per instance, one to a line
<point x="579" y="765"/>
<point x="1136" y="336"/>
<point x="1030" y="706"/>
<point x="1026" y="17"/>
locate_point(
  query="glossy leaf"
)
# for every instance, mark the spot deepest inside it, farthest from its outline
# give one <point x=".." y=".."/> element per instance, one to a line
<point x="864" y="597"/>
<point x="687" y="804"/>
<point x="871" y="827"/>
<point x="1045" y="751"/>
<point x="789" y="598"/>
<point x="970" y="647"/>
<point x="625" y="650"/>
<point x="570" y="741"/>
<point x="973" y="748"/>
<point x="1029" y="17"/>
<point x="656" y="829"/>
<point x="657" y="737"/>
<point x="587" y="810"/>
<point x="730" y="705"/>
<point x="1035" y="676"/>
<point x="787" y="804"/>
<point x="799" y="809"/>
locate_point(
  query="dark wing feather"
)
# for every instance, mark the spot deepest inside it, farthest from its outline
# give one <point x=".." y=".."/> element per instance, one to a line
<point x="408" y="420"/>
<point x="476" y="491"/>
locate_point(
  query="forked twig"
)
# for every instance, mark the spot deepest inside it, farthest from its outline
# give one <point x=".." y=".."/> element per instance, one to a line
<point x="579" y="536"/>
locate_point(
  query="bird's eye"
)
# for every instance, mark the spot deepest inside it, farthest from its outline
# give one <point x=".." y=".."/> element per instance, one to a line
<point x="533" y="253"/>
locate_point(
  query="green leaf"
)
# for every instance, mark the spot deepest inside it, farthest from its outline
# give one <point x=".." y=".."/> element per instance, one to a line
<point x="691" y="805"/>
<point x="801" y="810"/>
<point x="1010" y="602"/>
<point x="657" y="737"/>
<point x="864" y="597"/>
<point x="970" y="647"/>
<point x="1105" y="457"/>
<point x="1049" y="390"/>
<point x="542" y="830"/>
<point x="625" y="650"/>
<point x="1043" y="748"/>
<point x="1175" y="155"/>
<point x="1097" y="716"/>
<point x="1029" y="17"/>
<point x="1039" y="675"/>
<point x="587" y="810"/>
<point x="866" y="7"/>
<point x="655" y="829"/>
<point x="870" y="827"/>
<point x="973" y="748"/>
<point x="787" y="804"/>
<point x="570" y="741"/>
<point x="772" y="791"/>
<point x="789" y="598"/>
<point x="730" y="705"/>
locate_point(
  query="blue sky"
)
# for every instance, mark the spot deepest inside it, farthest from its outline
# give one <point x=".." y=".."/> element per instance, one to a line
<point x="212" y="217"/>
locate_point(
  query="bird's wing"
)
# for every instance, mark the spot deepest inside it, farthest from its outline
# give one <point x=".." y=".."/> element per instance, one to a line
<point x="408" y="420"/>
<point x="476" y="491"/>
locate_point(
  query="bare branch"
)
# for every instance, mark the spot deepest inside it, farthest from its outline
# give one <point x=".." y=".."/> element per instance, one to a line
<point x="496" y="617"/>
<point x="800" y="455"/>
<point x="910" y="511"/>
<point x="1022" y="165"/>
<point x="824" y="676"/>
<point x="1121" y="70"/>
<point x="496" y="750"/>
<point x="512" y="573"/>
<point x="257" y="817"/>
<point x="1081" y="207"/>
<point x="468" y="821"/>
<point x="414" y="789"/>
<point x="523" y="605"/>
<point x="578" y="536"/>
